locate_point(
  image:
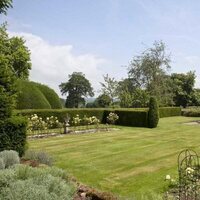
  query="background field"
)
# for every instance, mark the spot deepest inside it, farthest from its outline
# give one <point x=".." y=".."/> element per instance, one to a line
<point x="129" y="162"/>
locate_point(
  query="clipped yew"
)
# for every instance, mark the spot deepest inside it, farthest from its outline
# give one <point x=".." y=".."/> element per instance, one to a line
<point x="153" y="115"/>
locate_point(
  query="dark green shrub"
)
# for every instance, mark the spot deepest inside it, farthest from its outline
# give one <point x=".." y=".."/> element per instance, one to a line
<point x="132" y="118"/>
<point x="169" y="112"/>
<point x="153" y="115"/>
<point x="13" y="134"/>
<point x="30" y="97"/>
<point x="50" y="95"/>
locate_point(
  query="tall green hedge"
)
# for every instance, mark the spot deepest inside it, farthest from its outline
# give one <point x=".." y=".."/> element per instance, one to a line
<point x="50" y="95"/>
<point x="13" y="134"/>
<point x="33" y="95"/>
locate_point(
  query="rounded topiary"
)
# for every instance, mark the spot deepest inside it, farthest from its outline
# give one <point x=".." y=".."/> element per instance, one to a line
<point x="153" y="115"/>
<point x="30" y="97"/>
<point x="50" y="95"/>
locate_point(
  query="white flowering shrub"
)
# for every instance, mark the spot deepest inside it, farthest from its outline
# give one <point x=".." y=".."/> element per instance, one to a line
<point x="36" y="123"/>
<point x="112" y="118"/>
<point x="90" y="120"/>
<point x="52" y="122"/>
<point x="76" y="121"/>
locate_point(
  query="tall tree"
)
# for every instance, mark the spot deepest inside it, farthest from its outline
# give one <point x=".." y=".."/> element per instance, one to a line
<point x="76" y="88"/>
<point x="103" y="101"/>
<point x="149" y="71"/>
<point x="183" y="88"/>
<point x="16" y="52"/>
<point x="4" y="5"/>
<point x="109" y="87"/>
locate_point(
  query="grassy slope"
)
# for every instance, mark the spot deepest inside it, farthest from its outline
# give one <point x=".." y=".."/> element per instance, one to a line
<point x="129" y="162"/>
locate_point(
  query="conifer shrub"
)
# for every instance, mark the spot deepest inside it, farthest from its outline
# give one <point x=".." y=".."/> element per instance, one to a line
<point x="153" y="114"/>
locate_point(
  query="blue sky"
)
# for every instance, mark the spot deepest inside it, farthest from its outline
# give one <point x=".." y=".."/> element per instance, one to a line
<point x="101" y="36"/>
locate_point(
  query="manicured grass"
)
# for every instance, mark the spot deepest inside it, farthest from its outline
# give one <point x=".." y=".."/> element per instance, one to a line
<point x="129" y="162"/>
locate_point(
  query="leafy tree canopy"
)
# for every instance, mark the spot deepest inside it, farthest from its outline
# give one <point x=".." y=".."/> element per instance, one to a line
<point x="109" y="87"/>
<point x="76" y="88"/>
<point x="4" y="5"/>
<point x="183" y="88"/>
<point x="149" y="71"/>
<point x="103" y="101"/>
<point x="16" y="52"/>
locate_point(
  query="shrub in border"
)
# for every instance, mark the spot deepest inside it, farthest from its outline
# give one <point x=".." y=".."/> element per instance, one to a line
<point x="153" y="115"/>
<point x="13" y="134"/>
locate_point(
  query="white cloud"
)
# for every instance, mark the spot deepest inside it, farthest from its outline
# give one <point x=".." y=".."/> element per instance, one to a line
<point x="51" y="64"/>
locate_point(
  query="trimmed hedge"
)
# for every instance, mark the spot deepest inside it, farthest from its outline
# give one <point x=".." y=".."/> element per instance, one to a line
<point x="191" y="113"/>
<point x="13" y="134"/>
<point x="132" y="117"/>
<point x="33" y="95"/>
<point x="50" y="95"/>
<point x="127" y="117"/>
<point x="153" y="114"/>
<point x="30" y="97"/>
<point x="169" y="111"/>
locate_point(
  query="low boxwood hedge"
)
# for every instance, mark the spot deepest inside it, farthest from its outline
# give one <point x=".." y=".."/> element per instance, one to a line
<point x="13" y="134"/>
<point x="169" y="111"/>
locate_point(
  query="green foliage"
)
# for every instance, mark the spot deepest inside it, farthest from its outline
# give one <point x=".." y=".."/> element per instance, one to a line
<point x="13" y="134"/>
<point x="169" y="111"/>
<point x="149" y="71"/>
<point x="153" y="115"/>
<point x="50" y="95"/>
<point x="103" y="101"/>
<point x="109" y="87"/>
<point x="183" y="88"/>
<point x="30" y="96"/>
<point x="16" y="53"/>
<point x="77" y="87"/>
<point x="191" y="112"/>
<point x="7" y="88"/>
<point x="2" y="164"/>
<point x="27" y="183"/>
<point x="9" y="158"/>
<point x="4" y="5"/>
<point x="134" y="118"/>
<point x="40" y="156"/>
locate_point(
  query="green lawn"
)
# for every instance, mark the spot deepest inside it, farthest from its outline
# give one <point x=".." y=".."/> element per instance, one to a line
<point x="128" y="162"/>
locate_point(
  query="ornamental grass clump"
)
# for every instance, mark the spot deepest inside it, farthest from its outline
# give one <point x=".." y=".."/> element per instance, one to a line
<point x="112" y="118"/>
